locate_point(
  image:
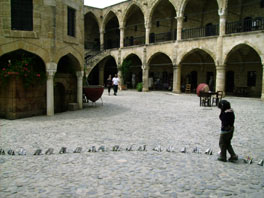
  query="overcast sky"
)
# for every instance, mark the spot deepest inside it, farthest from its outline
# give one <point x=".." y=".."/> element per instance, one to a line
<point x="101" y="3"/>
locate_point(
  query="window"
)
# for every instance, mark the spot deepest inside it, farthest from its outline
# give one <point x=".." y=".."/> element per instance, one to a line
<point x="262" y="3"/>
<point x="157" y="23"/>
<point x="22" y="15"/>
<point x="71" y="22"/>
<point x="252" y="78"/>
<point x="136" y="28"/>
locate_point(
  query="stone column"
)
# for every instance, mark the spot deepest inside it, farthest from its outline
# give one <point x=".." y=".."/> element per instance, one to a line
<point x="176" y="79"/>
<point x="262" y="92"/>
<point x="79" y="75"/>
<point x="147" y="27"/>
<point x="101" y="40"/>
<point x="101" y="75"/>
<point x="220" y="78"/>
<point x="145" y="77"/>
<point x="222" y="26"/>
<point x="179" y="27"/>
<point x="122" y="32"/>
<point x="50" y="91"/>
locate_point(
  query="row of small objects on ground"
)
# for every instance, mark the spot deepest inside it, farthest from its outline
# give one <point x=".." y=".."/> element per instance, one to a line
<point x="63" y="150"/>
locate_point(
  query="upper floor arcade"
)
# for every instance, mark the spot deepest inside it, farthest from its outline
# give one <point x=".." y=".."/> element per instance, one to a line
<point x="134" y="23"/>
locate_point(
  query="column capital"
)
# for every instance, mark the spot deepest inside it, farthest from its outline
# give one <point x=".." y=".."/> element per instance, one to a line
<point x="222" y="12"/>
<point x="175" y="66"/>
<point x="50" y="73"/>
<point x="79" y="74"/>
<point x="145" y="67"/>
<point x="179" y="17"/>
<point x="51" y="66"/>
<point x="220" y="67"/>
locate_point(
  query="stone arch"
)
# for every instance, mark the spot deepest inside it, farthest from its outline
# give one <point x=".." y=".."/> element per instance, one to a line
<point x="70" y="50"/>
<point x="246" y="64"/>
<point x="237" y="45"/>
<point x="156" y="53"/>
<point x="106" y="18"/>
<point x="185" y="2"/>
<point x="42" y="53"/>
<point x="124" y="17"/>
<point x="91" y="31"/>
<point x="154" y="6"/>
<point x="209" y="52"/>
<point x="160" y="72"/>
<point x="197" y="66"/>
<point x="94" y="15"/>
<point x="134" y="74"/>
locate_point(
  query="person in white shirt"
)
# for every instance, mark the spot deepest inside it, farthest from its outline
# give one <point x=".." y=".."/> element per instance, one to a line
<point x="115" y="84"/>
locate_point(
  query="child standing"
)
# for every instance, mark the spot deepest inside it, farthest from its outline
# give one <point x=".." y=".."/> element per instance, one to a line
<point x="227" y="118"/>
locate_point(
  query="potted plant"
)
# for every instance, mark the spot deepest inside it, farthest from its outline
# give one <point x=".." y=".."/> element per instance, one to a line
<point x="125" y="70"/>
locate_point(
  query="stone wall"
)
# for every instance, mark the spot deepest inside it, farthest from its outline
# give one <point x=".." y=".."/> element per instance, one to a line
<point x="16" y="101"/>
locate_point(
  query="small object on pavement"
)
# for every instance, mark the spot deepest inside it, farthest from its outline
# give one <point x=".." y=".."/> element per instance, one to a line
<point x="11" y="152"/>
<point x="170" y="149"/>
<point x="183" y="150"/>
<point x="38" y="152"/>
<point x="130" y="148"/>
<point x="116" y="148"/>
<point x="196" y="150"/>
<point x="248" y="160"/>
<point x="101" y="148"/>
<point x="92" y="149"/>
<point x="62" y="150"/>
<point x="49" y="151"/>
<point x="142" y="148"/>
<point x="260" y="163"/>
<point x="209" y="152"/>
<point x="78" y="150"/>
<point x="21" y="151"/>
<point x="2" y="151"/>
<point x="157" y="148"/>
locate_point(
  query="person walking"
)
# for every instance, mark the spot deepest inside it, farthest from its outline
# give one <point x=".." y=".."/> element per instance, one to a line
<point x="109" y="84"/>
<point x="115" y="84"/>
<point x="227" y="117"/>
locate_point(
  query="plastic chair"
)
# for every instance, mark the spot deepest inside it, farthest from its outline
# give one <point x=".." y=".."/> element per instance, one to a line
<point x="217" y="98"/>
<point x="188" y="88"/>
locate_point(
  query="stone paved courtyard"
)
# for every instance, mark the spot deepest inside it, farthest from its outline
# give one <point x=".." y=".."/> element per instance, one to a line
<point x="152" y="118"/>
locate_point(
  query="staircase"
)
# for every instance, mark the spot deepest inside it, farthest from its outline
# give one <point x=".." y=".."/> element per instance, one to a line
<point x="93" y="57"/>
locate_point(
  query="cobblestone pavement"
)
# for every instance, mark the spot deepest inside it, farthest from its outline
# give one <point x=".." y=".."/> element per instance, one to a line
<point x="153" y="118"/>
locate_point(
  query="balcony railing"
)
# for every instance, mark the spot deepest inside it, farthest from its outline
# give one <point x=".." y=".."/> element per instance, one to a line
<point x="211" y="30"/>
<point x="95" y="46"/>
<point x="134" y="41"/>
<point x="245" y="26"/>
<point x="161" y="37"/>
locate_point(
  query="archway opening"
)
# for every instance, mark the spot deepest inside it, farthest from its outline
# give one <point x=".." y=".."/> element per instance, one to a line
<point x="102" y="70"/>
<point x="163" y="23"/>
<point x="244" y="72"/>
<point x="135" y="72"/>
<point x="160" y="72"/>
<point x="112" y="32"/>
<point x="23" y="74"/>
<point x="200" y="19"/>
<point x="65" y="81"/>
<point x="92" y="34"/>
<point x="198" y="67"/>
<point x="134" y="27"/>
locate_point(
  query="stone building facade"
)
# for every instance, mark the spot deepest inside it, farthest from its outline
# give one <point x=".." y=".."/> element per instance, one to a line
<point x="172" y="43"/>
<point x="53" y="31"/>
<point x="169" y="43"/>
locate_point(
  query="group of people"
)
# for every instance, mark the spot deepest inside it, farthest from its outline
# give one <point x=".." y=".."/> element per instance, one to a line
<point x="112" y="82"/>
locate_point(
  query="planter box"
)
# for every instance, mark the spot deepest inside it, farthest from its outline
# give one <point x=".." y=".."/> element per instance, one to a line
<point x="19" y="102"/>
